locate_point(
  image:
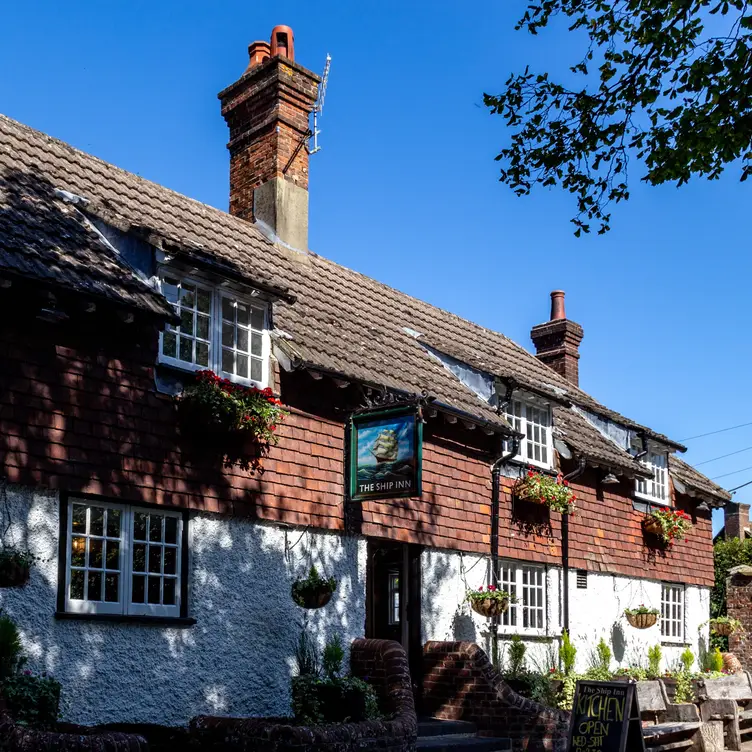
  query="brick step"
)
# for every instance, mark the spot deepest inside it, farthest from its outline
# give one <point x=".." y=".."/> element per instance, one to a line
<point x="463" y="743"/>
<point x="438" y="727"/>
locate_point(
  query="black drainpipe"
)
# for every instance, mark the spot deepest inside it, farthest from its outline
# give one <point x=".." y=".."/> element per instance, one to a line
<point x="499" y="462"/>
<point x="579" y="470"/>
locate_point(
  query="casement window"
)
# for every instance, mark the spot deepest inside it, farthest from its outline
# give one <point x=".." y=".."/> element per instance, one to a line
<point x="534" y="422"/>
<point x="218" y="330"/>
<point x="528" y="584"/>
<point x="123" y="560"/>
<point x="672" y="612"/>
<point x="394" y="597"/>
<point x="655" y="489"/>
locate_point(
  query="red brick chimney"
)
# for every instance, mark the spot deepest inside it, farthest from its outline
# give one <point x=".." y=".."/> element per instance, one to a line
<point x="267" y="110"/>
<point x="736" y="520"/>
<point x="557" y="342"/>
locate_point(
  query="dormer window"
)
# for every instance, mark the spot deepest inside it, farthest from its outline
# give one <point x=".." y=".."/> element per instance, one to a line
<point x="534" y="422"/>
<point x="655" y="489"/>
<point x="219" y="329"/>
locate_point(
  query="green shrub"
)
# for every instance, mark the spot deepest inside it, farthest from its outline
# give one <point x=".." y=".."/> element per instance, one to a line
<point x="567" y="653"/>
<point x="687" y="658"/>
<point x="32" y="700"/>
<point x="517" y="650"/>
<point x="636" y="673"/>
<point x="10" y="647"/>
<point x="654" y="661"/>
<point x="565" y="696"/>
<point x="333" y="700"/>
<point x="715" y="660"/>
<point x="332" y="657"/>
<point x="726" y="555"/>
<point x="684" y="690"/>
<point x="600" y="663"/>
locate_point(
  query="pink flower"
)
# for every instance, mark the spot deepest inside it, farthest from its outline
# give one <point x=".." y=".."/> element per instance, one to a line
<point x="492" y="587"/>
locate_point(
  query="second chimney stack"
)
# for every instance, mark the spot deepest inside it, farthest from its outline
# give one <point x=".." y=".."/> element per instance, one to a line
<point x="557" y="342"/>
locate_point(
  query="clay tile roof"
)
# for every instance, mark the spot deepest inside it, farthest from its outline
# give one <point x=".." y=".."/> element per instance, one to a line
<point x="696" y="483"/>
<point x="326" y="316"/>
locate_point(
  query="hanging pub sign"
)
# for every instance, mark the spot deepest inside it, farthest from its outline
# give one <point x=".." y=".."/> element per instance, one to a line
<point x="605" y="718"/>
<point x="385" y="454"/>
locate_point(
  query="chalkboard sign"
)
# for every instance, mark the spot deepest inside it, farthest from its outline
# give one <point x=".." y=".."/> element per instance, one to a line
<point x="605" y="718"/>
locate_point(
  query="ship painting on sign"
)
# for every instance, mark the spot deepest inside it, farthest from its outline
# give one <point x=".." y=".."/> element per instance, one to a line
<point x="386" y="455"/>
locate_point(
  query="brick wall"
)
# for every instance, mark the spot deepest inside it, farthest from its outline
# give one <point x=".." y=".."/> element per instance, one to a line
<point x="459" y="683"/>
<point x="739" y="606"/>
<point x="90" y="420"/>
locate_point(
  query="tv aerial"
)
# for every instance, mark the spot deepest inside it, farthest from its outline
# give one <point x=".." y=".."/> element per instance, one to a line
<point x="319" y="106"/>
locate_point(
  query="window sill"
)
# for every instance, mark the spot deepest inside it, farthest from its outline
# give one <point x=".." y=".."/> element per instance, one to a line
<point x="167" y="621"/>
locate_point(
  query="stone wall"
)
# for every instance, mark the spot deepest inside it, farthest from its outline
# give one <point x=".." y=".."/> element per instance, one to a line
<point x="461" y="684"/>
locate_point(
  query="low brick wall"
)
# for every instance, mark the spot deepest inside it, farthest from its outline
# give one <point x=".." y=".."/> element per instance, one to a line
<point x="382" y="663"/>
<point x="20" y="739"/>
<point x="460" y="683"/>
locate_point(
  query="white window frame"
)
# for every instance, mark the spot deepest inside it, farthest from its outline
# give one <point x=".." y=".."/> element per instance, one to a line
<point x="524" y="422"/>
<point x="673" y="612"/>
<point x="656" y="490"/>
<point x="515" y="579"/>
<point x="124" y="606"/>
<point x="218" y="292"/>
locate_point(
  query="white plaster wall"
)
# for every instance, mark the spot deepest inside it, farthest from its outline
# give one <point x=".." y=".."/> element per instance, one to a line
<point x="236" y="660"/>
<point x="594" y="612"/>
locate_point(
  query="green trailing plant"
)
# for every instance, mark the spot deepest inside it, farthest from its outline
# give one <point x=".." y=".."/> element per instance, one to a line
<point x="212" y="407"/>
<point x="306" y="591"/>
<point x="32" y="700"/>
<point x="11" y="650"/>
<point x="725" y="625"/>
<point x="517" y="650"/>
<point x="655" y="654"/>
<point x="641" y="609"/>
<point x="332" y="657"/>
<point x="14" y="566"/>
<point x="567" y="654"/>
<point x="636" y="673"/>
<point x="565" y="696"/>
<point x="555" y="493"/>
<point x="491" y="592"/>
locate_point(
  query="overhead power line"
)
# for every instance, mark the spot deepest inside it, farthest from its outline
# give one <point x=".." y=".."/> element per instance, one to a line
<point x="735" y="472"/>
<point x="720" y="430"/>
<point x="730" y="454"/>
<point x="736" y="488"/>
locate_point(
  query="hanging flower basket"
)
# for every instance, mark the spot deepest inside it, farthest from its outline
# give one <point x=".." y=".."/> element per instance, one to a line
<point x="15" y="567"/>
<point x="490" y="602"/>
<point x="641" y="617"/>
<point x="313" y="591"/>
<point x="555" y="493"/>
<point x="669" y="525"/>
<point x="238" y="421"/>
<point x="725" y="626"/>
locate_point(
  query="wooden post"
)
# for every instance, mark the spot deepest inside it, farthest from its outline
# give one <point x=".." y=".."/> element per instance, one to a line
<point x="711" y="733"/>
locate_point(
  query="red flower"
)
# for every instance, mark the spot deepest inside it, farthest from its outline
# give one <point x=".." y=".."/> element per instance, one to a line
<point x="492" y="587"/>
<point x="480" y="589"/>
<point x="530" y="473"/>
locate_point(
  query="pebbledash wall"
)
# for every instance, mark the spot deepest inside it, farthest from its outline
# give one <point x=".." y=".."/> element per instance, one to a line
<point x="236" y="659"/>
<point x="595" y="611"/>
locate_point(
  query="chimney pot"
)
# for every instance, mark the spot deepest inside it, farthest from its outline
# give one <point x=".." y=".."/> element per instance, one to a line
<point x="557" y="305"/>
<point x="258" y="52"/>
<point x="283" y="42"/>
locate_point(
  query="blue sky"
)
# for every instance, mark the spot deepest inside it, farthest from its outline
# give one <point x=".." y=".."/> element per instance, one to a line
<point x="405" y="188"/>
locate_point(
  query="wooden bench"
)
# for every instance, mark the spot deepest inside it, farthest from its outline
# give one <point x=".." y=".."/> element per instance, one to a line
<point x="666" y="726"/>
<point x="727" y="699"/>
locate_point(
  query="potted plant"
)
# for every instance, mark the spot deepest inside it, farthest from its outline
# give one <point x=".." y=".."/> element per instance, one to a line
<point x="539" y="488"/>
<point x="642" y="617"/>
<point x="242" y="420"/>
<point x="15" y="567"/>
<point x="489" y="602"/>
<point x="725" y="625"/>
<point x="668" y="524"/>
<point x="313" y="591"/>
